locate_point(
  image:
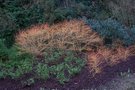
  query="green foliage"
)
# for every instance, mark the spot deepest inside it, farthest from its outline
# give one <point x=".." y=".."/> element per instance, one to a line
<point x="15" y="68"/>
<point x="7" y="27"/>
<point x="42" y="71"/>
<point x="3" y="51"/>
<point x="64" y="64"/>
<point x="13" y="63"/>
<point x="55" y="11"/>
<point x="59" y="64"/>
<point x="18" y="14"/>
<point x="23" y="12"/>
<point x="112" y="29"/>
<point x="123" y="10"/>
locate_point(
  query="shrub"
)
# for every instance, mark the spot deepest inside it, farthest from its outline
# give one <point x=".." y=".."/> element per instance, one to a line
<point x="132" y="50"/>
<point x="95" y="62"/>
<point x="3" y="52"/>
<point x="59" y="10"/>
<point x="123" y="10"/>
<point x="111" y="29"/>
<point x="7" y="27"/>
<point x="69" y="35"/>
<point x="18" y="14"/>
<point x="15" y="68"/>
<point x="16" y="64"/>
<point x="118" y="55"/>
<point x="132" y="32"/>
<point x="108" y="57"/>
<point x="23" y="13"/>
<point x="13" y="63"/>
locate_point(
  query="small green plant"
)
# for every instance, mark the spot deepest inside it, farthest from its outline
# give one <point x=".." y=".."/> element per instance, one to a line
<point x="15" y="68"/>
<point x="14" y="63"/>
<point x="64" y="64"/>
<point x="42" y="71"/>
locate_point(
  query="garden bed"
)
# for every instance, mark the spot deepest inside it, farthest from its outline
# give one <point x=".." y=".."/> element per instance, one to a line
<point x="83" y="80"/>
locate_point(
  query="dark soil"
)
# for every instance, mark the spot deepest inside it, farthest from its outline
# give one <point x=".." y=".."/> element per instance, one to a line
<point x="84" y="80"/>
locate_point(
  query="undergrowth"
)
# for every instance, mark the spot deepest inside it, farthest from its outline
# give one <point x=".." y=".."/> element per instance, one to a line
<point x="59" y="64"/>
<point x="12" y="63"/>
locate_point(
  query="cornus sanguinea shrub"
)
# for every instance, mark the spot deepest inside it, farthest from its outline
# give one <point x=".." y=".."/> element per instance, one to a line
<point x="104" y="56"/>
<point x="68" y="35"/>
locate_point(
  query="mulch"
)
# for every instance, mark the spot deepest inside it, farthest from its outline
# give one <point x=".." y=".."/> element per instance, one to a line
<point x="83" y="81"/>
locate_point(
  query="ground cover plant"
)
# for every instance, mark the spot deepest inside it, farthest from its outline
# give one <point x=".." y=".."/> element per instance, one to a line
<point x="12" y="63"/>
<point x="53" y="64"/>
<point x="62" y="65"/>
